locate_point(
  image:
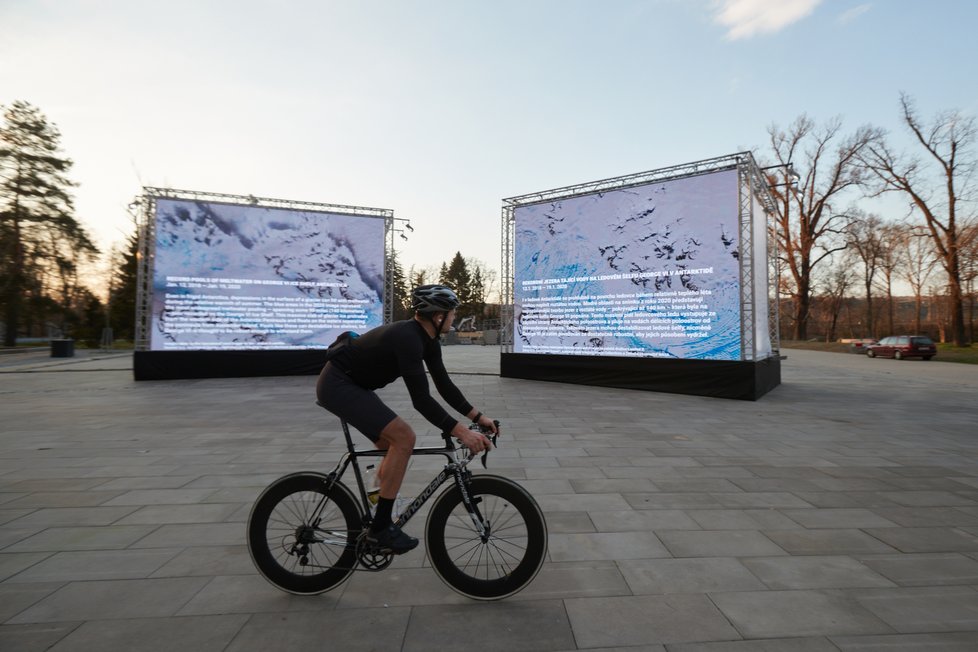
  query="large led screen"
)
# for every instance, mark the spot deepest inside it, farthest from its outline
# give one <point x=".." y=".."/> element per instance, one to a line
<point x="648" y="271"/>
<point x="229" y="276"/>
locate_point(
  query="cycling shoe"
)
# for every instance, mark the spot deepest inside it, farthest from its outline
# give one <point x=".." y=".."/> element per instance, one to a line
<point x="393" y="539"/>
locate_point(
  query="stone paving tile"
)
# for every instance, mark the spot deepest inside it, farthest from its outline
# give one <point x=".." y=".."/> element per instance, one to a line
<point x="82" y="538"/>
<point x="612" y="485"/>
<point x="565" y="522"/>
<point x="10" y="535"/>
<point x="581" y="502"/>
<point x="103" y="600"/>
<point x="644" y="620"/>
<point x="929" y="516"/>
<point x="12" y="563"/>
<point x="353" y="630"/>
<point x="847" y="499"/>
<point x="160" y="514"/>
<point x="827" y="542"/>
<point x="927" y="498"/>
<point x="959" y="642"/>
<point x="161" y="497"/>
<point x="741" y="519"/>
<point x="506" y="625"/>
<point x="690" y="500"/>
<point x="197" y="633"/>
<point x="27" y="638"/>
<point x="154" y="482"/>
<point x="934" y="569"/>
<point x="576" y="580"/>
<point x="96" y="565"/>
<point x="73" y="516"/>
<point x="923" y="609"/>
<point x="718" y="543"/>
<point x="605" y="545"/>
<point x="814" y="572"/>
<point x="837" y="518"/>
<point x="62" y="499"/>
<point x="208" y="561"/>
<point x="772" y="499"/>
<point x="176" y="535"/>
<point x="811" y="644"/>
<point x="926" y="539"/>
<point x="14" y="598"/>
<point x="7" y="515"/>
<point x="771" y="614"/>
<point x="642" y="521"/>
<point x="695" y="575"/>
<point x="395" y="587"/>
<point x="249" y="594"/>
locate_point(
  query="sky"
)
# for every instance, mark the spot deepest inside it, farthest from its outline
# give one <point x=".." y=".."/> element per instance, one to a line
<point x="439" y="109"/>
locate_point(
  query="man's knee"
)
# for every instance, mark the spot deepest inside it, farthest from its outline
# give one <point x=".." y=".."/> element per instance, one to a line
<point x="398" y="434"/>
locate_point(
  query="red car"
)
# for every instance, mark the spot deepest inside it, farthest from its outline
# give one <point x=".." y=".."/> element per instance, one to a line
<point x="903" y="346"/>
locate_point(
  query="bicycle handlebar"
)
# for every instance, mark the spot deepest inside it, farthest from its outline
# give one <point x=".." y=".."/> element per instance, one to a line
<point x="469" y="456"/>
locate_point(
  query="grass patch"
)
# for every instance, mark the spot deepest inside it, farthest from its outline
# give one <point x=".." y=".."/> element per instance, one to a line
<point x="945" y="352"/>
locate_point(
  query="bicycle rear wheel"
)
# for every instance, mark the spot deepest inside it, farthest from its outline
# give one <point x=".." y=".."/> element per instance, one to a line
<point x="301" y="538"/>
<point x="499" y="564"/>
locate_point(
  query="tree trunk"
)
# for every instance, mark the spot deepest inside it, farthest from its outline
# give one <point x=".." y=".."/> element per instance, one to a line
<point x="918" y="304"/>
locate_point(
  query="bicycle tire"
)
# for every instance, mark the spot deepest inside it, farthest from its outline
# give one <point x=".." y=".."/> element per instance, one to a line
<point x="505" y="563"/>
<point x="274" y="525"/>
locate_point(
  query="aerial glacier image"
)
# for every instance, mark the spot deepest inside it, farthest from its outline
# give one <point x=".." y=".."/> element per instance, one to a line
<point x="648" y="271"/>
<point x="230" y="276"/>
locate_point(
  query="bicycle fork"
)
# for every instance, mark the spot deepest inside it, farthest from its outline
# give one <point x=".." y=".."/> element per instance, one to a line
<point x="482" y="526"/>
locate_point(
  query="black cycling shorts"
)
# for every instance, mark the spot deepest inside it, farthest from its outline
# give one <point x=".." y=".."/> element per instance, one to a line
<point x="359" y="407"/>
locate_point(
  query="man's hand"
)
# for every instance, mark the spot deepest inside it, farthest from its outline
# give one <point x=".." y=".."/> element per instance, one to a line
<point x="487" y="423"/>
<point x="473" y="440"/>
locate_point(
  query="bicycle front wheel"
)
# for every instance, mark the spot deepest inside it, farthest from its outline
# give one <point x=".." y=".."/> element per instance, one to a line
<point x="303" y="538"/>
<point x="502" y="560"/>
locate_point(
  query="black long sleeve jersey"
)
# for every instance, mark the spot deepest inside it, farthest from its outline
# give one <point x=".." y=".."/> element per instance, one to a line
<point x="381" y="355"/>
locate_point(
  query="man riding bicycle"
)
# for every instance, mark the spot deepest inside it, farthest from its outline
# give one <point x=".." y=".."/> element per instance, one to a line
<point x="378" y="357"/>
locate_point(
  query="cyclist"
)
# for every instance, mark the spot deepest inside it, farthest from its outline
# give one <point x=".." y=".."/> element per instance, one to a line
<point x="378" y="357"/>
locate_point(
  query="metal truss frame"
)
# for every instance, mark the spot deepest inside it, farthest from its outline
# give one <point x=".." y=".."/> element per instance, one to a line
<point x="145" y="206"/>
<point x="756" y="183"/>
<point x="506" y="315"/>
<point x="751" y="184"/>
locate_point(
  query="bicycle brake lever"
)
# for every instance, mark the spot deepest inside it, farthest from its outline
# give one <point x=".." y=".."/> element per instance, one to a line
<point x="493" y="440"/>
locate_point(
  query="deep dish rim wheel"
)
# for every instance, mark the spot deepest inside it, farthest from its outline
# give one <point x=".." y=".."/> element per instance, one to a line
<point x="275" y="521"/>
<point x="501" y="566"/>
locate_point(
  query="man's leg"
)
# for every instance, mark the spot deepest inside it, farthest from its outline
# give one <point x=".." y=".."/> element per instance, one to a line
<point x="398" y="438"/>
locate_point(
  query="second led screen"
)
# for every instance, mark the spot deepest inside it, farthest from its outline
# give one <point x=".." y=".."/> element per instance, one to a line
<point x="648" y="271"/>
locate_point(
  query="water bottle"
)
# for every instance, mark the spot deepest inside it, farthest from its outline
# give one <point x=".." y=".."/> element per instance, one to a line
<point x="372" y="483"/>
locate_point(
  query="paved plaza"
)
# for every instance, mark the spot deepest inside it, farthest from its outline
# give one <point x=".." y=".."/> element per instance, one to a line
<point x="839" y="512"/>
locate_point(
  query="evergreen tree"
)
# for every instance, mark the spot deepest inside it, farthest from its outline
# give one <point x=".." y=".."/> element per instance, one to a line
<point x="402" y="296"/>
<point x="456" y="275"/>
<point x="40" y="239"/>
<point x="122" y="290"/>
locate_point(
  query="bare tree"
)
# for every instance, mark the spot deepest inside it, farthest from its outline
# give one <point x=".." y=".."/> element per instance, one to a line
<point x="939" y="185"/>
<point x="916" y="260"/>
<point x="889" y="262"/>
<point x="865" y="238"/>
<point x="969" y="270"/>
<point x="809" y="212"/>
<point x="840" y="279"/>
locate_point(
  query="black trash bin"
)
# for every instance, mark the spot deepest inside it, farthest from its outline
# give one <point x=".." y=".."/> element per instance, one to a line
<point x="62" y="348"/>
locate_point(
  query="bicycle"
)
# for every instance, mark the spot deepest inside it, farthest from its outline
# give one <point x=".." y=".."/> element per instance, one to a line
<point x="486" y="536"/>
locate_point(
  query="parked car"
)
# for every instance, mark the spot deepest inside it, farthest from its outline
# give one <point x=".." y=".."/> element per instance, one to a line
<point x="859" y="346"/>
<point x="903" y="346"/>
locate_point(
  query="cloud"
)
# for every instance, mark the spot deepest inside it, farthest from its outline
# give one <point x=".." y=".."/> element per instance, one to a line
<point x="747" y="18"/>
<point x="850" y="15"/>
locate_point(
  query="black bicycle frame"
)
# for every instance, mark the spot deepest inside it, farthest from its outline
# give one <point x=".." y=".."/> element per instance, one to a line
<point x="452" y="469"/>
